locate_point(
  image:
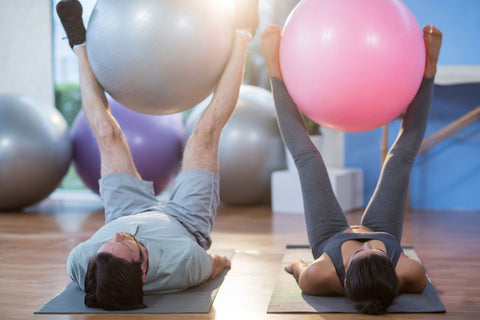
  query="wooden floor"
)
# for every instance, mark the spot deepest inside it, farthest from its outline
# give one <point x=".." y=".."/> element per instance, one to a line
<point x="34" y="246"/>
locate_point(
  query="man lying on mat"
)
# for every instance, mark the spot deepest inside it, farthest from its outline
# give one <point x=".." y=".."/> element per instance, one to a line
<point x="366" y="262"/>
<point x="147" y="245"/>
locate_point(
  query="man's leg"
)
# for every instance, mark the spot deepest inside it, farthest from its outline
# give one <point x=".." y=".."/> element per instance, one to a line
<point x="386" y="209"/>
<point x="201" y="150"/>
<point x="114" y="151"/>
<point x="196" y="196"/>
<point x="123" y="193"/>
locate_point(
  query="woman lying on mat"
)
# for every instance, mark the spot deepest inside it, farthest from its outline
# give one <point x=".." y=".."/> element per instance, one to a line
<point x="147" y="245"/>
<point x="365" y="262"/>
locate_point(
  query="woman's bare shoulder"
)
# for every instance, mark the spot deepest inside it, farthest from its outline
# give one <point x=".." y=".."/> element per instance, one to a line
<point x="321" y="278"/>
<point x="411" y="274"/>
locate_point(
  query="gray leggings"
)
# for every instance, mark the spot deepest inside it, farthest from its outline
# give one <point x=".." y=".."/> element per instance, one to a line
<point x="385" y="211"/>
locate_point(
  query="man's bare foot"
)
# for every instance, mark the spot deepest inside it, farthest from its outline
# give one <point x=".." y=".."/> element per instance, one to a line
<point x="270" y="47"/>
<point x="246" y="15"/>
<point x="433" y="41"/>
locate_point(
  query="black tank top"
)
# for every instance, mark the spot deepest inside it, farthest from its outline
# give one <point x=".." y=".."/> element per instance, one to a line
<point x="333" y="248"/>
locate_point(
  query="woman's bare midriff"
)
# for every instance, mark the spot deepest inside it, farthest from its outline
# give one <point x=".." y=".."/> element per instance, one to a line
<point x="358" y="229"/>
<point x="349" y="247"/>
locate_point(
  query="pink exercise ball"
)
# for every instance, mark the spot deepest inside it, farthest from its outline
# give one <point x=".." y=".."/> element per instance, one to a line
<point x="155" y="142"/>
<point x="352" y="65"/>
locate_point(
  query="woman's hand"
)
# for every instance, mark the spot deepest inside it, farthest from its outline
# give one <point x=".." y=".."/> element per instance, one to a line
<point x="289" y="268"/>
<point x="296" y="268"/>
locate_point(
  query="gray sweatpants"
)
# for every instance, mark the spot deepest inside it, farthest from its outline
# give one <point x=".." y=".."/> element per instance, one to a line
<point x="193" y="202"/>
<point x="323" y="214"/>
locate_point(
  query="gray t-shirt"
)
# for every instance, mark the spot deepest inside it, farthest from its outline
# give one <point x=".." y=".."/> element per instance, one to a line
<point x="176" y="261"/>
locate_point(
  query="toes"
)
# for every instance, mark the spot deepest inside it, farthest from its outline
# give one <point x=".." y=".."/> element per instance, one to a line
<point x="427" y="29"/>
<point x="436" y="31"/>
<point x="431" y="30"/>
<point x="272" y="29"/>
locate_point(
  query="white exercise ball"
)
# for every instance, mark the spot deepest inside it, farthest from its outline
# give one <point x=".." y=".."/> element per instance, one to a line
<point x="159" y="56"/>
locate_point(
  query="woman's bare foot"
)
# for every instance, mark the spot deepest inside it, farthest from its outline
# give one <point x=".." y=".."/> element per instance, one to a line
<point x="433" y="41"/>
<point x="270" y="47"/>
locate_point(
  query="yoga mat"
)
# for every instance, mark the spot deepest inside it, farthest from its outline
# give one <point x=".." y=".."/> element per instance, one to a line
<point x="197" y="299"/>
<point x="288" y="298"/>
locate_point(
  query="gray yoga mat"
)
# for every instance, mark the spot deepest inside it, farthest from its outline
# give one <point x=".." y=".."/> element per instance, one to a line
<point x="288" y="298"/>
<point x="198" y="299"/>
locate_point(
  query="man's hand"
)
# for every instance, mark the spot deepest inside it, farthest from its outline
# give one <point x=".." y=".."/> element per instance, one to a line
<point x="218" y="264"/>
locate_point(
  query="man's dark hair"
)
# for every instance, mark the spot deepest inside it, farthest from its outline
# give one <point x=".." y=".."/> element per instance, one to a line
<point x="371" y="282"/>
<point x="113" y="283"/>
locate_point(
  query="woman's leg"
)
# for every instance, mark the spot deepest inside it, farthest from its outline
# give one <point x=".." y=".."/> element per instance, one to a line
<point x="386" y="209"/>
<point x="323" y="214"/>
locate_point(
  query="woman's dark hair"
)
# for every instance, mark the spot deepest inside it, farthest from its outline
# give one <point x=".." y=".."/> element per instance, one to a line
<point x="371" y="282"/>
<point x="113" y="283"/>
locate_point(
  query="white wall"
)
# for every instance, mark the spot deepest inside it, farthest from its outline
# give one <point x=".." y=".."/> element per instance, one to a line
<point x="26" y="48"/>
<point x="333" y="149"/>
<point x="65" y="66"/>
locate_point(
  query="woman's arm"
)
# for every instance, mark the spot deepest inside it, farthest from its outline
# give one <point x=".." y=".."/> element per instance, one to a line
<point x="317" y="278"/>
<point x="411" y="275"/>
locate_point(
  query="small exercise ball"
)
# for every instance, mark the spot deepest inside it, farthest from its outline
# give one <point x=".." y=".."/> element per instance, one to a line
<point x="35" y="151"/>
<point x="159" y="56"/>
<point x="155" y="143"/>
<point x="352" y="65"/>
<point x="250" y="149"/>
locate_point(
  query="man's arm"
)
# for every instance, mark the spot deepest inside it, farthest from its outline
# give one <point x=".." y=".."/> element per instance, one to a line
<point x="218" y="264"/>
<point x="77" y="263"/>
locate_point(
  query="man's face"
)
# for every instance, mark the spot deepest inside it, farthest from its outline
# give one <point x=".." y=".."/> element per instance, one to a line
<point x="122" y="245"/>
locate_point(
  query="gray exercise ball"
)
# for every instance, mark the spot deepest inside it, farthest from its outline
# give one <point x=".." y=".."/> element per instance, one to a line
<point x="159" y="56"/>
<point x="35" y="151"/>
<point x="250" y="149"/>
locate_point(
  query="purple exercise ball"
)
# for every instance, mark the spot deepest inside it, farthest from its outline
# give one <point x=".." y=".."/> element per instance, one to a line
<point x="155" y="142"/>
